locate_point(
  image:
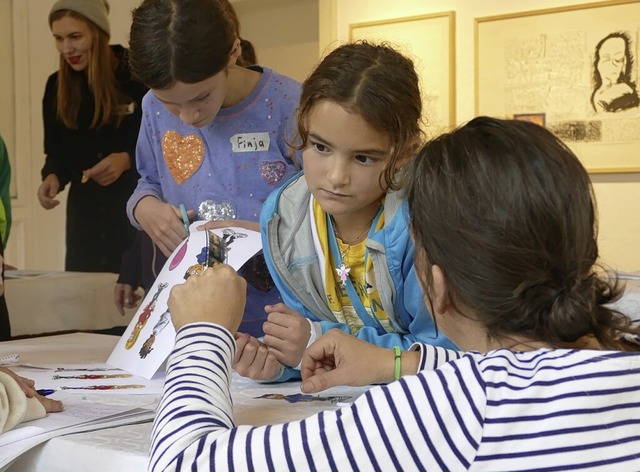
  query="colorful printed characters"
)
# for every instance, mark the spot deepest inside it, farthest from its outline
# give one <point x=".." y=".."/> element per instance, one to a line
<point x="92" y="376"/>
<point x="229" y="236"/>
<point x="177" y="259"/>
<point x="301" y="397"/>
<point x="147" y="346"/>
<point x="104" y="387"/>
<point x="195" y="269"/>
<point x="144" y="317"/>
<point x="213" y="253"/>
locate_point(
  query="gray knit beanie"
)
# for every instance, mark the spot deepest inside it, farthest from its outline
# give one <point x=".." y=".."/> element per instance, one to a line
<point x="96" y="11"/>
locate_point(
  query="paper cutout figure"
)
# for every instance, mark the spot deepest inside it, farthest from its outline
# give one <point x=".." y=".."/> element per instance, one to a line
<point x="303" y="398"/>
<point x="92" y="376"/>
<point x="103" y="387"/>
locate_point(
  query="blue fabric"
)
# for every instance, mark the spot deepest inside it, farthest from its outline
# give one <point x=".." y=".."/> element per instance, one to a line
<point x="410" y="311"/>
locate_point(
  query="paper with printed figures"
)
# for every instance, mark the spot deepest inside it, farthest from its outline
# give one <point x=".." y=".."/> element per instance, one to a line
<point x="149" y="338"/>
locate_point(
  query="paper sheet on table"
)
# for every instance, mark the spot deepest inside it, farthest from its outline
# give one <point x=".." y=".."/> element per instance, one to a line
<point x="79" y="415"/>
<point x="149" y="338"/>
<point x="255" y="403"/>
<point x="94" y="378"/>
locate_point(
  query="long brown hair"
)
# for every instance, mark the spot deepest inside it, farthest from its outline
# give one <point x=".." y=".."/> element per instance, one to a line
<point x="374" y="81"/>
<point x="507" y="212"/>
<point x="100" y="75"/>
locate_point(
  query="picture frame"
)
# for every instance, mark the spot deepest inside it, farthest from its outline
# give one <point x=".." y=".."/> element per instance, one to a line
<point x="429" y="40"/>
<point x="563" y="66"/>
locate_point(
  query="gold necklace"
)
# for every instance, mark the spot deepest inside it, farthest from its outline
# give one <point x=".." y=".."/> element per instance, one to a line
<point x="355" y="240"/>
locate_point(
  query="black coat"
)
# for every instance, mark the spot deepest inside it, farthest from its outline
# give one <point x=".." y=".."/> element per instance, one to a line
<point x="97" y="230"/>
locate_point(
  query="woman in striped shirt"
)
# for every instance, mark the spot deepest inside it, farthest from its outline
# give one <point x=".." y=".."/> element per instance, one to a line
<point x="503" y="217"/>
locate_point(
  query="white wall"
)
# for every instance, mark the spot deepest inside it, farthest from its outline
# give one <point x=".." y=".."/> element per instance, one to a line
<point x="284" y="33"/>
<point x="288" y="38"/>
<point x="617" y="194"/>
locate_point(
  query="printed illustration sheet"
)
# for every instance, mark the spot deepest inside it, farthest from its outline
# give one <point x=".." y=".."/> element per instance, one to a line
<point x="149" y="338"/>
<point x="89" y="378"/>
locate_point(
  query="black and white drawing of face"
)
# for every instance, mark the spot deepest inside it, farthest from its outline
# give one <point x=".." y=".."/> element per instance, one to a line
<point x="614" y="89"/>
<point x="612" y="61"/>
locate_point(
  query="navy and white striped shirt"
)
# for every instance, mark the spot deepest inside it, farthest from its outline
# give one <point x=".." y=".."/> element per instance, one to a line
<point x="541" y="410"/>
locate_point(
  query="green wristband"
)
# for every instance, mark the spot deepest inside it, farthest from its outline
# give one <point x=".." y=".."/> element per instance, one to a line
<point x="398" y="353"/>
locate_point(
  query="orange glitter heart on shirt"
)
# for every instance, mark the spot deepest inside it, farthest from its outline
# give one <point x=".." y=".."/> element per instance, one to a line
<point x="183" y="154"/>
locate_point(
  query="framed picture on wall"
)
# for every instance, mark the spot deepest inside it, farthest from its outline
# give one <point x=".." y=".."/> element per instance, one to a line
<point x="574" y="69"/>
<point x="429" y="40"/>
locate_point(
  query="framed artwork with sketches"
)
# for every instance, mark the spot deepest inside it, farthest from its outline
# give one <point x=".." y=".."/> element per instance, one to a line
<point x="572" y="69"/>
<point x="429" y="40"/>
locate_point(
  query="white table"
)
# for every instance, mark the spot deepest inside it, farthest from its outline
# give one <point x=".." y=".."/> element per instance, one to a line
<point x="48" y="302"/>
<point x="125" y="448"/>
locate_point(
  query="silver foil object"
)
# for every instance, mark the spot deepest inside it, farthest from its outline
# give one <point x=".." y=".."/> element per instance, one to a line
<point x="214" y="211"/>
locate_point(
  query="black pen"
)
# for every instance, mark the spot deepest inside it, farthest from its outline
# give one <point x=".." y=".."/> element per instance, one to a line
<point x="45" y="391"/>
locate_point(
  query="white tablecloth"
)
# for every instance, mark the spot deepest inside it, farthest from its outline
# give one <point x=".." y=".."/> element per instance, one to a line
<point x="48" y="302"/>
<point x="125" y="448"/>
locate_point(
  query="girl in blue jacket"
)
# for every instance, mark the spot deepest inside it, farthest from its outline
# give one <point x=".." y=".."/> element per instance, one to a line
<point x="336" y="237"/>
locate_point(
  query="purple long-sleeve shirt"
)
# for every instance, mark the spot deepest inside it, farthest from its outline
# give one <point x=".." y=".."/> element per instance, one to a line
<point x="240" y="157"/>
<point x="244" y="155"/>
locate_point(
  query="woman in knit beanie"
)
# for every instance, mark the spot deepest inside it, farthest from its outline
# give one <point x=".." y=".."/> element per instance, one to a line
<point x="92" y="115"/>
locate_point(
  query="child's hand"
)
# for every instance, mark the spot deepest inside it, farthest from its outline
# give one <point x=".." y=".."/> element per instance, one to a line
<point x="162" y="222"/>
<point x="125" y="296"/>
<point x="286" y="333"/>
<point x="253" y="359"/>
